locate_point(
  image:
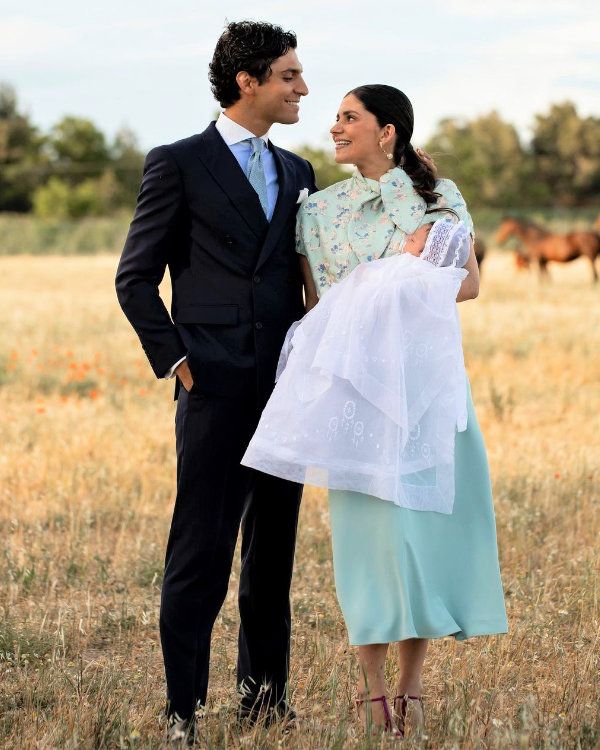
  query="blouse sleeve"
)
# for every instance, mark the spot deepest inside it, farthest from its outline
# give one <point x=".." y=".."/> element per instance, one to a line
<point x="451" y="197"/>
<point x="301" y="248"/>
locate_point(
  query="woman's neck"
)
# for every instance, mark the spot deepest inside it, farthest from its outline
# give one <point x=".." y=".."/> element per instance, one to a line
<point x="375" y="168"/>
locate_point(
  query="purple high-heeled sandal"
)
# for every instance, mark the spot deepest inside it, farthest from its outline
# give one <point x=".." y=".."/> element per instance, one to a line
<point x="400" y="715"/>
<point x="389" y="724"/>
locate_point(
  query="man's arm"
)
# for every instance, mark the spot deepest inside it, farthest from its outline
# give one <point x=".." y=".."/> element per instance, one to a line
<point x="150" y="242"/>
<point x="469" y="289"/>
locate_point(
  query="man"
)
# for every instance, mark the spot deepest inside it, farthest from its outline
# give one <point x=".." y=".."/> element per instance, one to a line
<point x="218" y="209"/>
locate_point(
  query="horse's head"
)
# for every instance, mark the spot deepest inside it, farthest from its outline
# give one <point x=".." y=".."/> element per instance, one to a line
<point x="509" y="227"/>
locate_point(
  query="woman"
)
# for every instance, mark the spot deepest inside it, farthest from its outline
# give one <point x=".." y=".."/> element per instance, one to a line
<point x="402" y="575"/>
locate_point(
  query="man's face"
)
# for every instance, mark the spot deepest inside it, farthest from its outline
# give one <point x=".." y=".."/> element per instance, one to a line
<point x="278" y="98"/>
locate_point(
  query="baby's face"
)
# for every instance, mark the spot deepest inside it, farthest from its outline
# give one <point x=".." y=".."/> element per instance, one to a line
<point x="415" y="242"/>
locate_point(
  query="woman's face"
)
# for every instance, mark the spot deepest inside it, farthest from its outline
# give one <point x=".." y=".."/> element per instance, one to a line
<point x="357" y="134"/>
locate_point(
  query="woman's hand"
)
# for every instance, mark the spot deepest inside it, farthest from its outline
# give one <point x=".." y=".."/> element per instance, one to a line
<point x="427" y="160"/>
<point x="469" y="289"/>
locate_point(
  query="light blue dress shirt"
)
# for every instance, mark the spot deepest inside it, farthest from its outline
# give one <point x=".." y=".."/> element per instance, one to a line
<point x="234" y="136"/>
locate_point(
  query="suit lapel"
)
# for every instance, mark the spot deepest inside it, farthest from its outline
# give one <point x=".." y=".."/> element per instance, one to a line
<point x="286" y="199"/>
<point x="224" y="168"/>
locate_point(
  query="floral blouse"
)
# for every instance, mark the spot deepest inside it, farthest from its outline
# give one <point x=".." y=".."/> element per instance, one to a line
<point x="360" y="219"/>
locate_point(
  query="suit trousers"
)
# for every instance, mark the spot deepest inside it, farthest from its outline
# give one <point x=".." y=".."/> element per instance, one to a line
<point x="215" y="495"/>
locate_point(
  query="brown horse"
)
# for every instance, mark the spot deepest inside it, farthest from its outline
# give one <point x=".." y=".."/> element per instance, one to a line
<point x="521" y="261"/>
<point x="541" y="246"/>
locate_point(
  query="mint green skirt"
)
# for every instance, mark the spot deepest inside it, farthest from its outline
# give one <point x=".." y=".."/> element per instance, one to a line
<point x="403" y="573"/>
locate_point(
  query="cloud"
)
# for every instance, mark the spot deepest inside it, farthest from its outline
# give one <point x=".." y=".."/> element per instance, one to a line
<point x="22" y="38"/>
<point x="512" y="8"/>
<point x="518" y="74"/>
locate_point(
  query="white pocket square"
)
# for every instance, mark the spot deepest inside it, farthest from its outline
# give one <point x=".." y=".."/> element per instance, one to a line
<point x="302" y="195"/>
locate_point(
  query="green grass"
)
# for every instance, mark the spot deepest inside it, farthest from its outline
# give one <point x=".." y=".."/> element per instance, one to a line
<point x="23" y="234"/>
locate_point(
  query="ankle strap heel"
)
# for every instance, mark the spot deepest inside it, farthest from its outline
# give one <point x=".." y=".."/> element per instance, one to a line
<point x="401" y="711"/>
<point x="389" y="724"/>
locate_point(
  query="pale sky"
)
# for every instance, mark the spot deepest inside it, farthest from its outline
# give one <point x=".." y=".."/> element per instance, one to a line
<point x="144" y="64"/>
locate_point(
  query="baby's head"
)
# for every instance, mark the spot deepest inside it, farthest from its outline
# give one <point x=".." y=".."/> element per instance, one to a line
<point x="442" y="243"/>
<point x="415" y="242"/>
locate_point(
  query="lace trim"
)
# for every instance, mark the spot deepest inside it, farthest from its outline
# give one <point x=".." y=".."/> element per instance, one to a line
<point x="438" y="242"/>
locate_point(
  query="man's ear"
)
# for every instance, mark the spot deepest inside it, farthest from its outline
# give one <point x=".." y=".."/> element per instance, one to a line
<point x="246" y="82"/>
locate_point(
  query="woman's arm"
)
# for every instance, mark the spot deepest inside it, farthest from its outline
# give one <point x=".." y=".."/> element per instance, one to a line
<point x="310" y="290"/>
<point x="469" y="289"/>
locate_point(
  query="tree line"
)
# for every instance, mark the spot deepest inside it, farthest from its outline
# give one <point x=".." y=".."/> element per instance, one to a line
<point x="69" y="172"/>
<point x="73" y="170"/>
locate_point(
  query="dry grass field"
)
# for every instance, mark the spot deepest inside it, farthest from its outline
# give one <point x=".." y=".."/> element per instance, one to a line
<point x="86" y="489"/>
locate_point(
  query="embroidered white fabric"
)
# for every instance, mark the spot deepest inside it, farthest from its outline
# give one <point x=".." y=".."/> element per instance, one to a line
<point x="448" y="244"/>
<point x="372" y="388"/>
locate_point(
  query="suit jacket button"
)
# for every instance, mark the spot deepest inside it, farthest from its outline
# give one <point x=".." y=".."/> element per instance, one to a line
<point x="258" y="325"/>
<point x="256" y="279"/>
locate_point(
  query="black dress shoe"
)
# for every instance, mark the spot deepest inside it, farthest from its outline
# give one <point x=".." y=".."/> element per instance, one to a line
<point x="180" y="732"/>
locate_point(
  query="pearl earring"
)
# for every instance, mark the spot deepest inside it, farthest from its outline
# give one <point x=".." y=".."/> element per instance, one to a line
<point x="387" y="156"/>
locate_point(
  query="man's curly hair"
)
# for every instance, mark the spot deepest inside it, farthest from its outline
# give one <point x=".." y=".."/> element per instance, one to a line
<point x="251" y="46"/>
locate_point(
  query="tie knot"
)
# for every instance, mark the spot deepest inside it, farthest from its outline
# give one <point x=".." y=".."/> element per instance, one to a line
<point x="257" y="144"/>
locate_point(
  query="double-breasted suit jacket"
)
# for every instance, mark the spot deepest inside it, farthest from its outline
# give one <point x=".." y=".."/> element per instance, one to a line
<point x="236" y="285"/>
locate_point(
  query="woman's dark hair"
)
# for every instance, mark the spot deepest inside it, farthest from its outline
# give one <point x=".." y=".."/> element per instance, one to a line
<point x="246" y="45"/>
<point x="391" y="107"/>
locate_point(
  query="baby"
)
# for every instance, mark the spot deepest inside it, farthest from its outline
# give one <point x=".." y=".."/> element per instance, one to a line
<point x="442" y="242"/>
<point x="371" y="386"/>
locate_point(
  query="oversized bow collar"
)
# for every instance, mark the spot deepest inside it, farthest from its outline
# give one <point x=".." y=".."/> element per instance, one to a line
<point x="379" y="209"/>
<point x="393" y="195"/>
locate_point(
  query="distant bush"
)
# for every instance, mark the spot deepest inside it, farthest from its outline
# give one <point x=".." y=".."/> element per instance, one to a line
<point x="58" y="199"/>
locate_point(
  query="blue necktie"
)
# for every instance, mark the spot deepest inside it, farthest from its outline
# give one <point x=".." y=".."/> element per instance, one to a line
<point x="256" y="172"/>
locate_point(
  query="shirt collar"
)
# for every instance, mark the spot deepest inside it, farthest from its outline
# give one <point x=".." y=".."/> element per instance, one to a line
<point x="232" y="133"/>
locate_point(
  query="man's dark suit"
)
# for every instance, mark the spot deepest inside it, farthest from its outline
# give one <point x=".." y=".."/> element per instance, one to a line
<point x="236" y="289"/>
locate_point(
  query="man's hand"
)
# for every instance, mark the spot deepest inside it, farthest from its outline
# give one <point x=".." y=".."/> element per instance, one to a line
<point x="427" y="160"/>
<point x="185" y="376"/>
